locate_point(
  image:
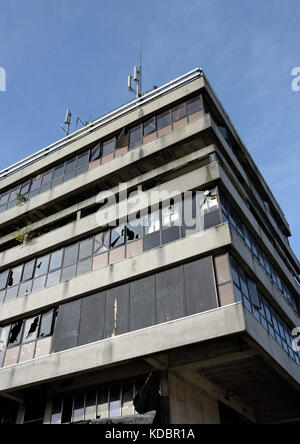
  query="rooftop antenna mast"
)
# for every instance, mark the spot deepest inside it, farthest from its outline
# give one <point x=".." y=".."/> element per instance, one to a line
<point x="67" y="122"/>
<point x="137" y="77"/>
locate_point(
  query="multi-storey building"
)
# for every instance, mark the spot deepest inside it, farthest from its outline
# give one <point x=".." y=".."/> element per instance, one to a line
<point x="89" y="310"/>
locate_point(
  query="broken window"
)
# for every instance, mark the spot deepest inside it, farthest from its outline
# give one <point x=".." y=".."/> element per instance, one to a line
<point x="109" y="147"/>
<point x="15" y="276"/>
<point x="71" y="255"/>
<point x="31" y="329"/>
<point x="101" y="242"/>
<point x="28" y="271"/>
<point x="56" y="260"/>
<point x="4" y="332"/>
<point x="46" y="324"/>
<point x="95" y="152"/>
<point x="171" y="214"/>
<point x="123" y="138"/>
<point x="149" y="126"/>
<point x="118" y="236"/>
<point x="15" y="334"/>
<point x="134" y="230"/>
<point x="163" y="120"/>
<point x="3" y="279"/>
<point x="41" y="266"/>
<point x="135" y="138"/>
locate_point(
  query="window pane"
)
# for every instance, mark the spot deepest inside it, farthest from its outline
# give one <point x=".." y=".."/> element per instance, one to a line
<point x="15" y="276"/>
<point x="135" y="137"/>
<point x="134" y="231"/>
<point x="83" y="159"/>
<point x="171" y="215"/>
<point x="101" y="242"/>
<point x="4" y="333"/>
<point x="70" y="165"/>
<point x="149" y="126"/>
<point x="67" y="410"/>
<point x="15" y="333"/>
<point x="152" y="222"/>
<point x="4" y="198"/>
<point x="13" y="194"/>
<point x="78" y="408"/>
<point x="95" y="153"/>
<point x="25" y="288"/>
<point x="25" y="187"/>
<point x="3" y="279"/>
<point x="194" y="105"/>
<point x="47" y="177"/>
<point x="90" y="406"/>
<point x="102" y="409"/>
<point x="86" y="248"/>
<point x="58" y="171"/>
<point x="179" y="112"/>
<point x="11" y="293"/>
<point x="42" y="265"/>
<point x="71" y="255"/>
<point x="53" y="278"/>
<point x="39" y="283"/>
<point x="56" y="410"/>
<point x="68" y="273"/>
<point x="152" y="241"/>
<point x="56" y="260"/>
<point x="31" y="329"/>
<point x="109" y="147"/>
<point x="127" y="400"/>
<point x="84" y="266"/>
<point x="46" y="324"/>
<point x="115" y="401"/>
<point x="28" y="271"/>
<point x="170" y="235"/>
<point x="163" y="120"/>
<point x="36" y="183"/>
<point x="117" y="236"/>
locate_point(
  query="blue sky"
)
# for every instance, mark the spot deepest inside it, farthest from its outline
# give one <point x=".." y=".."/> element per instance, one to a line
<point x="78" y="54"/>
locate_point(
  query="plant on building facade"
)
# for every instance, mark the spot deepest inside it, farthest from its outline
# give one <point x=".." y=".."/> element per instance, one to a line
<point x="21" y="199"/>
<point x="24" y="235"/>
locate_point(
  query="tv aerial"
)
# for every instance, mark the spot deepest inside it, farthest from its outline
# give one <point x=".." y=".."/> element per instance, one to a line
<point x="137" y="77"/>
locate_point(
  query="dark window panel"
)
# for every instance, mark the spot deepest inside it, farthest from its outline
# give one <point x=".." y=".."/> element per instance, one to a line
<point x="4" y="198"/>
<point x="71" y="255"/>
<point x="46" y="324"/>
<point x="3" y="279"/>
<point x="68" y="273"/>
<point x="90" y="405"/>
<point x="70" y="165"/>
<point x="15" y="276"/>
<point x="152" y="241"/>
<point x="194" y="105"/>
<point x="83" y="159"/>
<point x="84" y="266"/>
<point x="82" y="170"/>
<point x="56" y="410"/>
<point x="66" y="329"/>
<point x="39" y="283"/>
<point x="67" y="410"/>
<point x="57" y="182"/>
<point x="102" y="407"/>
<point x="41" y="266"/>
<point x="149" y="126"/>
<point x="179" y="112"/>
<point x="95" y="152"/>
<point x="135" y="138"/>
<point x="69" y="176"/>
<point x="86" y="248"/>
<point x="14" y="193"/>
<point x="15" y="333"/>
<point x="25" y="187"/>
<point x="134" y="231"/>
<point x="47" y="177"/>
<point x="31" y="329"/>
<point x="109" y="147"/>
<point x="34" y="193"/>
<point x="170" y="235"/>
<point x="170" y="295"/>
<point x="115" y="401"/>
<point x="92" y="318"/>
<point x="56" y="260"/>
<point x="163" y="120"/>
<point x="58" y="171"/>
<point x="36" y="183"/>
<point x="45" y="187"/>
<point x="123" y="138"/>
<point x="28" y="271"/>
<point x="102" y="243"/>
<point x="78" y="414"/>
<point x="117" y="236"/>
<point x="53" y="278"/>
<point x="212" y="220"/>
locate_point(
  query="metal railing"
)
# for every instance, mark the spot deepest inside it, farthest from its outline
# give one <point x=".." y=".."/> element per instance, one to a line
<point x="92" y="126"/>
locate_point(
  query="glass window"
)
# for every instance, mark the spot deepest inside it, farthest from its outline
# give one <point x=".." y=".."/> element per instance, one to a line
<point x="149" y="126"/>
<point x="84" y="266"/>
<point x="152" y="241"/>
<point x="179" y="112"/>
<point x="109" y="147"/>
<point x="117" y="236"/>
<point x="36" y="183"/>
<point x="67" y="410"/>
<point x="101" y="242"/>
<point x="135" y="137"/>
<point x="11" y="293"/>
<point x="115" y="401"/>
<point x="14" y="193"/>
<point x="3" y="279"/>
<point x="194" y="105"/>
<point x="134" y="230"/>
<point x="68" y="273"/>
<point x="47" y="177"/>
<point x="171" y="215"/>
<point x="39" y="283"/>
<point x="58" y="171"/>
<point x="95" y="153"/>
<point x="170" y="235"/>
<point x="86" y="248"/>
<point x="15" y="276"/>
<point x="78" y="414"/>
<point x="71" y="255"/>
<point x="163" y="120"/>
<point x="31" y="329"/>
<point x="4" y="198"/>
<point x="70" y="165"/>
<point x="83" y="159"/>
<point x="25" y="187"/>
<point x="90" y="405"/>
<point x="46" y="324"/>
<point x="15" y="333"/>
<point x="102" y="408"/>
<point x="152" y="222"/>
<point x="28" y="271"/>
<point x="41" y="266"/>
<point x="53" y="278"/>
<point x="56" y="260"/>
<point x="25" y="288"/>
<point x="56" y="410"/>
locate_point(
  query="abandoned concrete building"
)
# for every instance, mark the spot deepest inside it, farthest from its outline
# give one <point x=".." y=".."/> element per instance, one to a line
<point x="200" y="315"/>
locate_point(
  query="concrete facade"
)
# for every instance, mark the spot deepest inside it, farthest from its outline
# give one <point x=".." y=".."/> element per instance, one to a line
<point x="93" y="308"/>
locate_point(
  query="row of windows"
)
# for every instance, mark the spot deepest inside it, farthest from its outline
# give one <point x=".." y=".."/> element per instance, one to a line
<point x="27" y="338"/>
<point x="112" y="401"/>
<point x="230" y="215"/>
<point x="160" y="227"/>
<point x="103" y="152"/>
<point x="247" y="292"/>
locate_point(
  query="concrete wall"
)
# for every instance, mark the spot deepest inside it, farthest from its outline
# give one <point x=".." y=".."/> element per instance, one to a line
<point x="189" y="406"/>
